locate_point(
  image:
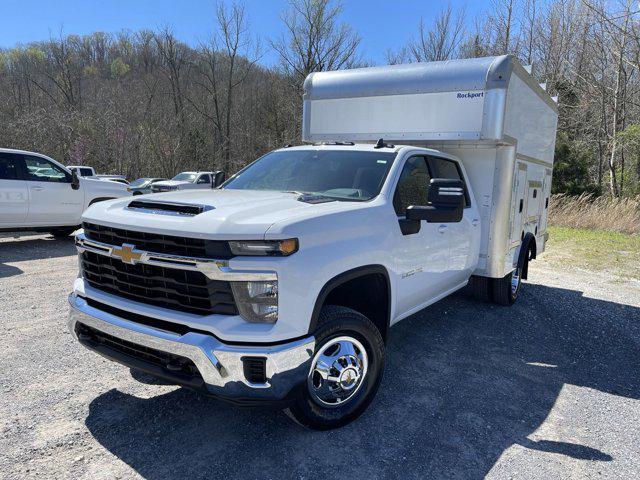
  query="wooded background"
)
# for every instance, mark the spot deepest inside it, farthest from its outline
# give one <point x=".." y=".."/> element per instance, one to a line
<point x="147" y="104"/>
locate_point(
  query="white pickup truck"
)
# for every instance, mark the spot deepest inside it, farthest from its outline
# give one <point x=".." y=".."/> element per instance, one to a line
<point x="280" y="287"/>
<point x="38" y="193"/>
<point x="190" y="181"/>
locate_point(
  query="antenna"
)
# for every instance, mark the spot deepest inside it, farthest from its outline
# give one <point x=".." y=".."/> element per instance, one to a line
<point x="380" y="144"/>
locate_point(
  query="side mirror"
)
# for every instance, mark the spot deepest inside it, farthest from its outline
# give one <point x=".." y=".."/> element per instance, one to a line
<point x="445" y="202"/>
<point x="75" y="181"/>
<point x="218" y="179"/>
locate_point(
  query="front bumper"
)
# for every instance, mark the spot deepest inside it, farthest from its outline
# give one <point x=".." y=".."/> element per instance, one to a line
<point x="220" y="367"/>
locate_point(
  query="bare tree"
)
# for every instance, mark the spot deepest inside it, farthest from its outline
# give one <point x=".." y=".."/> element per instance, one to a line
<point x="226" y="62"/>
<point x="440" y="41"/>
<point x="315" y="39"/>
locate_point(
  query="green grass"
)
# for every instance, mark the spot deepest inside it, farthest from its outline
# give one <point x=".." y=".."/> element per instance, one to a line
<point x="601" y="251"/>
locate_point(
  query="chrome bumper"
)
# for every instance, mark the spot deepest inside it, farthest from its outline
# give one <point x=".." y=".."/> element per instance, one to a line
<point x="219" y="364"/>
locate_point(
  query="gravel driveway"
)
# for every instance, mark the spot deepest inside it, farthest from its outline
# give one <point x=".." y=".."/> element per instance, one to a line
<point x="549" y="388"/>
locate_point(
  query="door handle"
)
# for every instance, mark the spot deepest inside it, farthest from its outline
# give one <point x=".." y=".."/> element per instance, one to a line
<point x="475" y="222"/>
<point x="442" y="228"/>
<point x="37" y="189"/>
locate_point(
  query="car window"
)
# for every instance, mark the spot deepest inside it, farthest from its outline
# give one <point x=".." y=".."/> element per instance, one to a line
<point x="42" y="170"/>
<point x="444" y="168"/>
<point x="86" y="172"/>
<point x="185" y="177"/>
<point x="9" y="166"/>
<point x="413" y="185"/>
<point x="141" y="182"/>
<point x="204" y="179"/>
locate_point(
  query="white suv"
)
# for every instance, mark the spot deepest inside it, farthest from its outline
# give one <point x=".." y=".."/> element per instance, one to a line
<point x="38" y="193"/>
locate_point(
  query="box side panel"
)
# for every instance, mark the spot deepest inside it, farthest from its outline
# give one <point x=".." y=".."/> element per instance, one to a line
<point x="530" y="121"/>
<point x="421" y="116"/>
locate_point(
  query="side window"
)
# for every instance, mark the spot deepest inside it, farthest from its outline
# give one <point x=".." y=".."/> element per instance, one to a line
<point x="413" y="185"/>
<point x="444" y="168"/>
<point x="86" y="172"/>
<point x="9" y="168"/>
<point x="42" y="170"/>
<point x="204" y="179"/>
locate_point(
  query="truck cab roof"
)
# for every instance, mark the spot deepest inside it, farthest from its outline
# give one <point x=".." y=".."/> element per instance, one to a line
<point x="366" y="147"/>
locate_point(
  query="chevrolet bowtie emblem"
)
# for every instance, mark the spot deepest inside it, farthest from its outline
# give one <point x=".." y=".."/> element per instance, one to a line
<point x="127" y="253"/>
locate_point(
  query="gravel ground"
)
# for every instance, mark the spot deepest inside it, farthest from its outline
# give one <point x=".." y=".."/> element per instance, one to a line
<point x="549" y="388"/>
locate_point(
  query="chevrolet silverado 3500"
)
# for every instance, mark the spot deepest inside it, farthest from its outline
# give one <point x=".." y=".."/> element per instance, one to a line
<point x="280" y="287"/>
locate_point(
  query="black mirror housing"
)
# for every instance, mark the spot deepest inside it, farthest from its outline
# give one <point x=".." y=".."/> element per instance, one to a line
<point x="75" y="181"/>
<point x="218" y="178"/>
<point x="445" y="202"/>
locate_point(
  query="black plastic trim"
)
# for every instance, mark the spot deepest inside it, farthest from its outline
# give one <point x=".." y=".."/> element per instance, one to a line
<point x="528" y="244"/>
<point x="255" y="369"/>
<point x="344" y="278"/>
<point x="181" y="208"/>
<point x="409" y="227"/>
<point x="100" y="199"/>
<point x="132" y="361"/>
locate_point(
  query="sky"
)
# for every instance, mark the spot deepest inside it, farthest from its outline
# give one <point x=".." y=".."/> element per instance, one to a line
<point x="382" y="24"/>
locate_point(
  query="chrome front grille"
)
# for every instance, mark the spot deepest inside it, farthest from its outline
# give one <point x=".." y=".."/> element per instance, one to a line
<point x="177" y="289"/>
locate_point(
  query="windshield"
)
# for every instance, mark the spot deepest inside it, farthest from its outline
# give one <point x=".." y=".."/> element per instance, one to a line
<point x="343" y="175"/>
<point x="140" y="182"/>
<point x="185" y="177"/>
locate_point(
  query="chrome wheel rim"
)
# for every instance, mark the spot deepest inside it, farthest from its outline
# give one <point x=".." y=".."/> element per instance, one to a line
<point x="515" y="282"/>
<point x="337" y="371"/>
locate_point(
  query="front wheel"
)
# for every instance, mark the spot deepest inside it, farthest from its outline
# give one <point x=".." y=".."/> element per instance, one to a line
<point x="345" y="371"/>
<point x="61" y="233"/>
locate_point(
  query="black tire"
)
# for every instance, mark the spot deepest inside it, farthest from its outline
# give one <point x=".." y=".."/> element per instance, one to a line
<point x="334" y="322"/>
<point x="63" y="232"/>
<point x="505" y="290"/>
<point x="480" y="288"/>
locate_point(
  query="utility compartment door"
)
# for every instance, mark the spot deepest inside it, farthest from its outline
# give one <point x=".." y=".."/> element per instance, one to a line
<point x="519" y="203"/>
<point x="546" y="189"/>
<point x="534" y="205"/>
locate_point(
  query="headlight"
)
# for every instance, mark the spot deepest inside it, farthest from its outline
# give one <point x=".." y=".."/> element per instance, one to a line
<point x="257" y="301"/>
<point x="264" y="247"/>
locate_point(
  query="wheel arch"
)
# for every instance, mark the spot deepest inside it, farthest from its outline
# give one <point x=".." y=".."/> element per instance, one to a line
<point x="374" y="302"/>
<point x="528" y="249"/>
<point x="99" y="199"/>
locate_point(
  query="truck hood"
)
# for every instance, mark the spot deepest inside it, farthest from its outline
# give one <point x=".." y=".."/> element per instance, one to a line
<point x="103" y="186"/>
<point x="170" y="183"/>
<point x="229" y="214"/>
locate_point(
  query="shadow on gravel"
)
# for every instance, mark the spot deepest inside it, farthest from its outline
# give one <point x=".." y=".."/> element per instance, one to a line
<point x="463" y="382"/>
<point x="21" y="249"/>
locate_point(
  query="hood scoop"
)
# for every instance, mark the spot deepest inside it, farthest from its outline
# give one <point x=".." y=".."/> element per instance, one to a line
<point x="168" y="208"/>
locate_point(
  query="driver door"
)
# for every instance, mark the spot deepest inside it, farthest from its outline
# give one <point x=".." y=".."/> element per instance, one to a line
<point x="420" y="250"/>
<point x="52" y="200"/>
